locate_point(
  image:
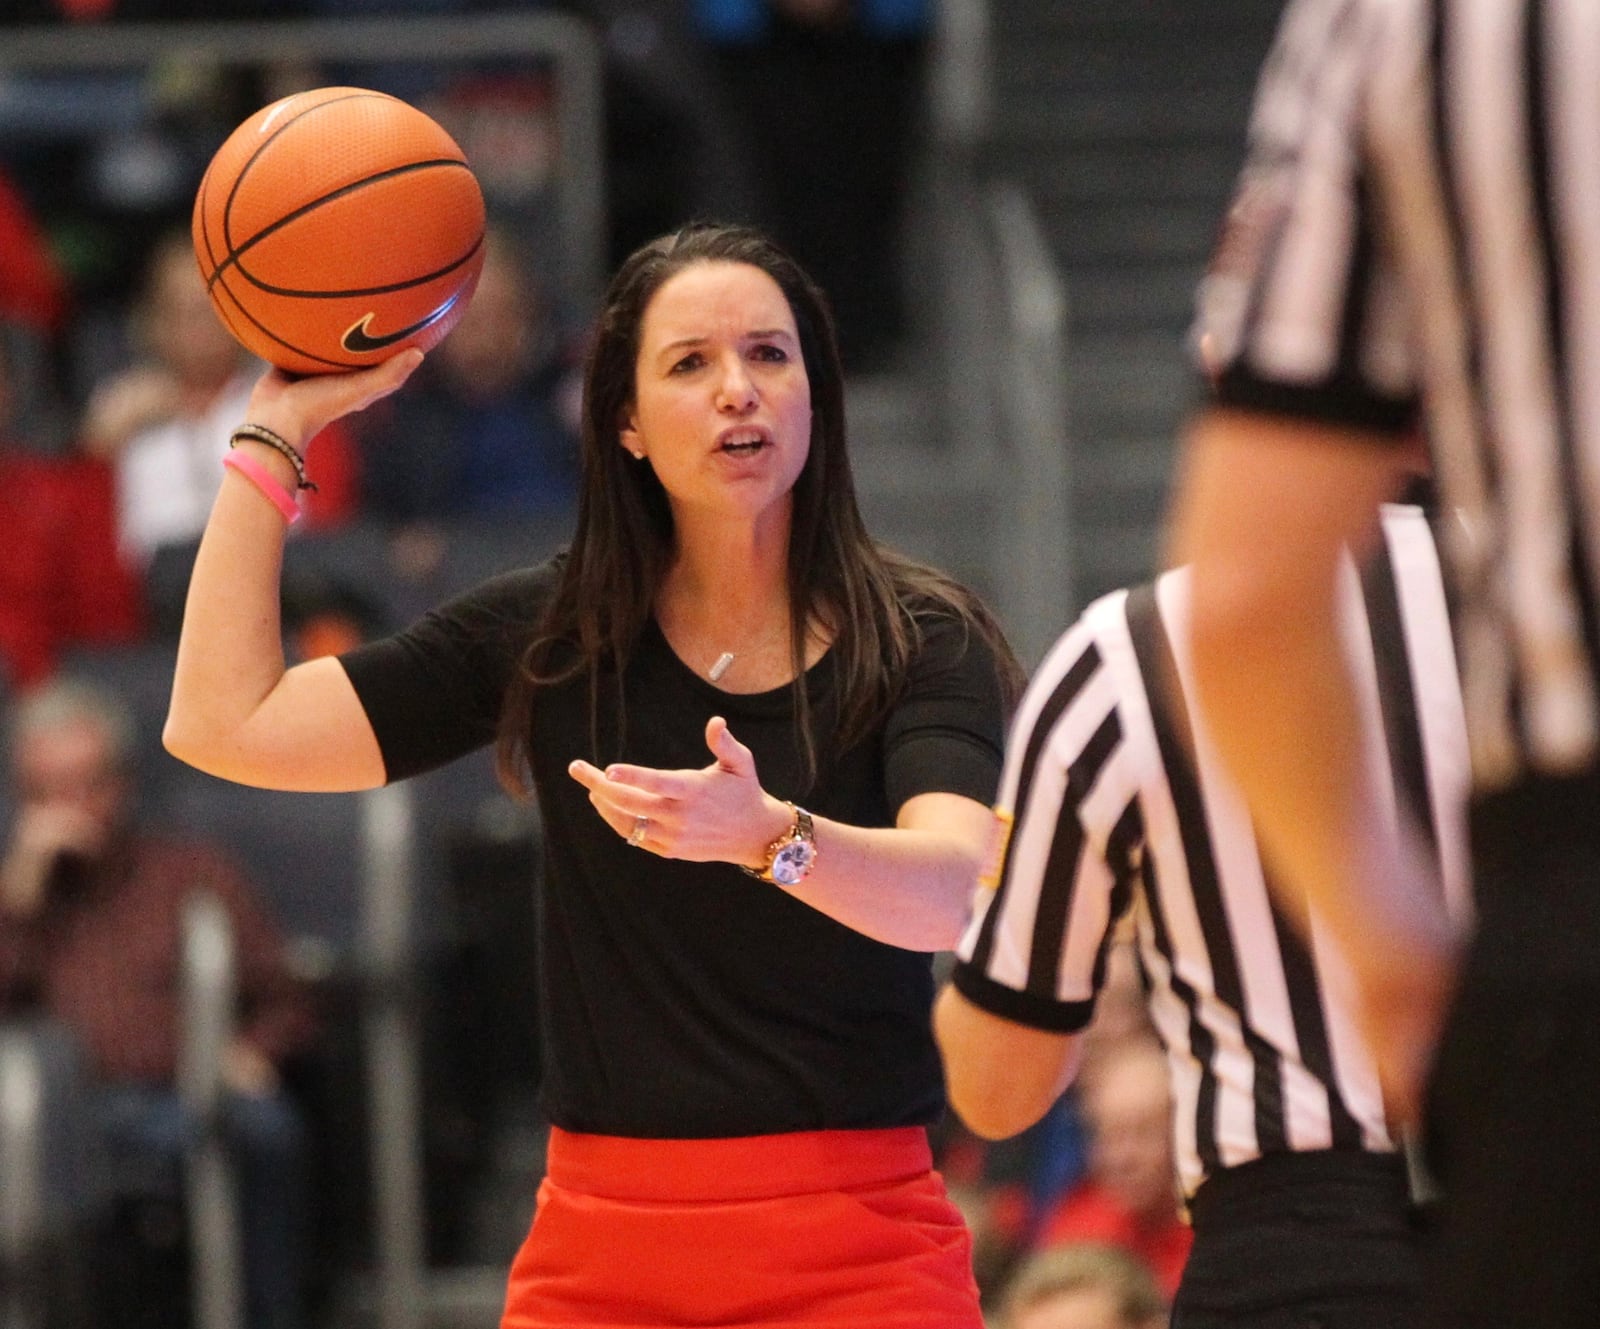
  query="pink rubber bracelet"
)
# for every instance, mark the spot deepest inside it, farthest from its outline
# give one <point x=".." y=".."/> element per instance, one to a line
<point x="261" y="478"/>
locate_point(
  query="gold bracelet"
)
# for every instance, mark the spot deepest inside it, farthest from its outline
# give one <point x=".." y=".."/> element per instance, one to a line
<point x="276" y="441"/>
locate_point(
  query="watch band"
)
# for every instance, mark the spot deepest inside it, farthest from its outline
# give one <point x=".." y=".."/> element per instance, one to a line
<point x="802" y="835"/>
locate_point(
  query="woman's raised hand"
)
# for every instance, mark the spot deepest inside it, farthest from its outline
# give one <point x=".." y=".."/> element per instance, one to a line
<point x="717" y="814"/>
<point x="297" y="408"/>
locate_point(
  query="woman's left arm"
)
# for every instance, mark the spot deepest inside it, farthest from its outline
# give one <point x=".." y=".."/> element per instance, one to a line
<point x="909" y="885"/>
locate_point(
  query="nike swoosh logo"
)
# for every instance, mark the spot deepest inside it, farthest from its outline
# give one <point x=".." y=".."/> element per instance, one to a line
<point x="358" y="341"/>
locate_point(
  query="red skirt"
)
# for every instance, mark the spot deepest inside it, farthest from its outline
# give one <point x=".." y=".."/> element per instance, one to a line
<point x="812" y="1230"/>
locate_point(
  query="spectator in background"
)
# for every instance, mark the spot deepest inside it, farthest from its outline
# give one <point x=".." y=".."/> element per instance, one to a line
<point x="1121" y="1015"/>
<point x="164" y="423"/>
<point x="488" y="428"/>
<point x="828" y="96"/>
<point x="672" y="149"/>
<point x="62" y="582"/>
<point x="90" y="924"/>
<point x="1130" y="1197"/>
<point x="36" y="301"/>
<point x="33" y="289"/>
<point x="1084" y="1286"/>
<point x="1008" y="1188"/>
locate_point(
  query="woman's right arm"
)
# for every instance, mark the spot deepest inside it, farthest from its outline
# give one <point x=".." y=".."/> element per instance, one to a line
<point x="236" y="711"/>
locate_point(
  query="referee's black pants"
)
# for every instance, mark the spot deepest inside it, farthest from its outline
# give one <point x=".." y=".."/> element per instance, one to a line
<point x="1514" y="1106"/>
<point x="1317" y="1240"/>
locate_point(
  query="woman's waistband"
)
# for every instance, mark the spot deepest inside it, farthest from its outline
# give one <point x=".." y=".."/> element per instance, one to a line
<point x="750" y="1167"/>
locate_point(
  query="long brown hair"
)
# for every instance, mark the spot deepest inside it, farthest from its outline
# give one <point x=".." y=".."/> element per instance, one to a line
<point x="623" y="543"/>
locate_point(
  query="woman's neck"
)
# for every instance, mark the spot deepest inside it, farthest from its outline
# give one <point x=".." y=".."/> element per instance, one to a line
<point x="724" y="607"/>
<point x="728" y="572"/>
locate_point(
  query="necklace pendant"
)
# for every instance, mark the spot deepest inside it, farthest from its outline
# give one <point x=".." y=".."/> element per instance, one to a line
<point x="721" y="667"/>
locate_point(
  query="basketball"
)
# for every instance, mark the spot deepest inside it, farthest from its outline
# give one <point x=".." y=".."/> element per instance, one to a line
<point x="337" y="227"/>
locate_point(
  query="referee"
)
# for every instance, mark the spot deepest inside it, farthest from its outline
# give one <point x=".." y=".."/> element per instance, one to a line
<point x="1416" y="236"/>
<point x="1295" y="1186"/>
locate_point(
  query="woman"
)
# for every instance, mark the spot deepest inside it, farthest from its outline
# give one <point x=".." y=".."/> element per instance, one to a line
<point x="723" y="673"/>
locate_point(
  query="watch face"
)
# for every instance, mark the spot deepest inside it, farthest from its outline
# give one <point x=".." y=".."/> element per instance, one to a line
<point x="792" y="864"/>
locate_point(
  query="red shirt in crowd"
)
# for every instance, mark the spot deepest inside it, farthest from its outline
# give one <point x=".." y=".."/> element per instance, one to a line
<point x="1089" y="1212"/>
<point x="33" y="291"/>
<point x="62" y="582"/>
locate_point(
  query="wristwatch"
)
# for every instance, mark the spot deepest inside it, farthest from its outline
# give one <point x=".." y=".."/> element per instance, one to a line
<point x="792" y="855"/>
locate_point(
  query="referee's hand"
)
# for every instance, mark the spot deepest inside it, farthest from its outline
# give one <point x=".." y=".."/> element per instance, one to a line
<point x="1400" y="948"/>
<point x="1403" y="1000"/>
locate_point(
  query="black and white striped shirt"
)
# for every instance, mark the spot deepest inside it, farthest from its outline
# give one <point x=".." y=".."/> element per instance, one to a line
<point x="1109" y="813"/>
<point x="1419" y="219"/>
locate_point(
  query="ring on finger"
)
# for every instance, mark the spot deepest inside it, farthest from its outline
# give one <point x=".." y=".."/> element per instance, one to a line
<point x="641" y="827"/>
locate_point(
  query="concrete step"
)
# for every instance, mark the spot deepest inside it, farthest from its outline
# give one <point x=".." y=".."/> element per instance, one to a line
<point x="1157" y="22"/>
<point x="1145" y="298"/>
<point x="1117" y="381"/>
<point x="1117" y="232"/>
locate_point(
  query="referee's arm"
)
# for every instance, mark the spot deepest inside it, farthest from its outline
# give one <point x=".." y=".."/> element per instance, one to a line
<point x="1007" y="1028"/>
<point x="1001" y="1076"/>
<point x="1264" y="505"/>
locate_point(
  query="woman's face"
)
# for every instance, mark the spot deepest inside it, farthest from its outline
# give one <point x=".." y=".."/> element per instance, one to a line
<point x="722" y="403"/>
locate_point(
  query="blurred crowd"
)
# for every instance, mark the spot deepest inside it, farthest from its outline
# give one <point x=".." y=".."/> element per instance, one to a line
<point x="118" y="389"/>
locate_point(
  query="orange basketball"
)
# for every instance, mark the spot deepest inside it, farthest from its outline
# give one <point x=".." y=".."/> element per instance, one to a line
<point x="337" y="227"/>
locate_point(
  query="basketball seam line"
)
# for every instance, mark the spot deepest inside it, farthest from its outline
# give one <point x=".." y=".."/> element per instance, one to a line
<point x="409" y="284"/>
<point x="234" y="255"/>
<point x="284" y="342"/>
<point x="272" y="138"/>
<point x="244" y="170"/>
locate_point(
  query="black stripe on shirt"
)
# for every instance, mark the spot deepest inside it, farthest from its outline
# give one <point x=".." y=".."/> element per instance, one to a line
<point x="1158" y="665"/>
<point x="1555" y="304"/>
<point x="1202" y="1042"/>
<point x="1077" y="677"/>
<point x="1066" y="857"/>
<point x="1310" y="1027"/>
<point x="1397" y="698"/>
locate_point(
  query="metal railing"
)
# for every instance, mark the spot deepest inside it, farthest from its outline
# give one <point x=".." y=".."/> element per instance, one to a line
<point x="1034" y="540"/>
<point x="208" y="999"/>
<point x="961" y="83"/>
<point x="23" y="1222"/>
<point x="43" y="1208"/>
<point x="390" y="1048"/>
<point x="1001" y="336"/>
<point x="387" y="957"/>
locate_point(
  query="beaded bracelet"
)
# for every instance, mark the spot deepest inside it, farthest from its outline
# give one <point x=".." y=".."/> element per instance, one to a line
<point x="276" y="441"/>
